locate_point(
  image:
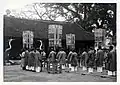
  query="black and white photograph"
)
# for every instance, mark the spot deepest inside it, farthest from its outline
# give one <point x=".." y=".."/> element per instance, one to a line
<point x="59" y="42"/>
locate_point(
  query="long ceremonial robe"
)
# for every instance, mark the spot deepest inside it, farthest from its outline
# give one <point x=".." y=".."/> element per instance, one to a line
<point x="99" y="58"/>
<point x="68" y="57"/>
<point x="51" y="56"/>
<point x="38" y="59"/>
<point x="84" y="58"/>
<point x="27" y="54"/>
<point x="73" y="59"/>
<point x="91" y="58"/>
<point x="112" y="60"/>
<point x="61" y="56"/>
<point x="23" y="59"/>
<point x="31" y="59"/>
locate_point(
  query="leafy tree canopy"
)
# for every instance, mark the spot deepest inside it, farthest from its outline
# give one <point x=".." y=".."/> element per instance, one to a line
<point x="86" y="15"/>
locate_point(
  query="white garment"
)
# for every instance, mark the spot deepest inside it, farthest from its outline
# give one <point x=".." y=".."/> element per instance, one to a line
<point x="51" y="65"/>
<point x="69" y="65"/>
<point x="72" y="68"/>
<point x="27" y="67"/>
<point x="99" y="69"/>
<point x="90" y="70"/>
<point x="84" y="68"/>
<point x="109" y="73"/>
<point x="113" y="73"/>
<point x="76" y="68"/>
<point x="63" y="66"/>
<point x="32" y="68"/>
<point x="37" y="69"/>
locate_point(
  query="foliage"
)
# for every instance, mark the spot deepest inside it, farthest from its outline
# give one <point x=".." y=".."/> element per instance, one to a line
<point x="86" y="15"/>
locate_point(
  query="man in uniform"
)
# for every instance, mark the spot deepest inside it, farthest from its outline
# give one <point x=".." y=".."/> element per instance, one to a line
<point x="61" y="56"/>
<point x="74" y="61"/>
<point x="99" y="59"/>
<point x="90" y="60"/>
<point x="112" y="62"/>
<point x="43" y="54"/>
<point x="68" y="62"/>
<point x="23" y="59"/>
<point x="26" y="58"/>
<point x="37" y="61"/>
<point x="84" y="58"/>
<point x="32" y="60"/>
<point x="51" y="60"/>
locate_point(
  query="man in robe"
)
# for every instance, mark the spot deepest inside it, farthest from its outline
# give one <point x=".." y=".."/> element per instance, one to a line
<point x="43" y="54"/>
<point x="68" y="62"/>
<point x="84" y="58"/>
<point x="90" y="60"/>
<point x="23" y="59"/>
<point x="61" y="56"/>
<point x="32" y="60"/>
<point x="37" y="61"/>
<point x="26" y="58"/>
<point x="74" y="61"/>
<point x="99" y="59"/>
<point x="112" y="62"/>
<point x="51" y="60"/>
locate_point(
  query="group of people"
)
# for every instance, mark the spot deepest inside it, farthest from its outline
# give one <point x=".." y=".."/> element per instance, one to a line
<point x="99" y="60"/>
<point x="32" y="59"/>
<point x="89" y="60"/>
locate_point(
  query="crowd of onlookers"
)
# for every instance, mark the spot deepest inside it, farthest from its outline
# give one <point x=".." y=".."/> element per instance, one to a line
<point x="88" y="59"/>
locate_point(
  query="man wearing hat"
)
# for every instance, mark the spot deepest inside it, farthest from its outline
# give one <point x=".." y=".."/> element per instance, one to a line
<point x="99" y="59"/>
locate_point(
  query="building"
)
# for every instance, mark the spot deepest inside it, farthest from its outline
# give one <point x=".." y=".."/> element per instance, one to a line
<point x="43" y="30"/>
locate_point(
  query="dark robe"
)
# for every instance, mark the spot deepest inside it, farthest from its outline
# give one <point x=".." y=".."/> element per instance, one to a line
<point x="51" y="56"/>
<point x="23" y="59"/>
<point x="91" y="58"/>
<point x="31" y="59"/>
<point x="61" y="56"/>
<point x="38" y="59"/>
<point x="112" y="60"/>
<point x="99" y="58"/>
<point x="68" y="57"/>
<point x="43" y="56"/>
<point x="73" y="59"/>
<point x="26" y="58"/>
<point x="84" y="58"/>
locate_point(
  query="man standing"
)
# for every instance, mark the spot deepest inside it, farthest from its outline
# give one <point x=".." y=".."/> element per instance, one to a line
<point x="32" y="60"/>
<point x="23" y="59"/>
<point x="51" y="61"/>
<point x="84" y="58"/>
<point x="68" y="62"/>
<point x="90" y="60"/>
<point x="74" y="61"/>
<point x="61" y="56"/>
<point x="38" y="60"/>
<point x="26" y="58"/>
<point x="99" y="59"/>
<point x="112" y="61"/>
<point x="43" y="54"/>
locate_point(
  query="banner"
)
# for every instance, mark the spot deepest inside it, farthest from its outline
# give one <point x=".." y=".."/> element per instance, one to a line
<point x="55" y="35"/>
<point x="70" y="39"/>
<point x="99" y="35"/>
<point x="28" y="39"/>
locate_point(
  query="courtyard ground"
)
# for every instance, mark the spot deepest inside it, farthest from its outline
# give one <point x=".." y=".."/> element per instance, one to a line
<point x="15" y="74"/>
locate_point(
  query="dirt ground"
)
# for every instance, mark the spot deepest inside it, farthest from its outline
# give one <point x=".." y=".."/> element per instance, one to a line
<point x="16" y="74"/>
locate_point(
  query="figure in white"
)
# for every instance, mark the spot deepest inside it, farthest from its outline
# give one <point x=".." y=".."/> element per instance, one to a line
<point x="6" y="51"/>
<point x="40" y="44"/>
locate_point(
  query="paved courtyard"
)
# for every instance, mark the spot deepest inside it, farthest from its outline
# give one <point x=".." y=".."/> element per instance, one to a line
<point x="15" y="74"/>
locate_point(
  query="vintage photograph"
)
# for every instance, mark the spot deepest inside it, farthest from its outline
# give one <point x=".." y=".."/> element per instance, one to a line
<point x="59" y="42"/>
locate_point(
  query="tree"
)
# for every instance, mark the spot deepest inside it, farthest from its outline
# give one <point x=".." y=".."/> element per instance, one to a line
<point x="86" y="15"/>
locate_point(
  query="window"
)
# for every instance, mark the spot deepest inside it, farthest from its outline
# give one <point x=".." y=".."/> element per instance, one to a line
<point x="55" y="34"/>
<point x="27" y="39"/>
